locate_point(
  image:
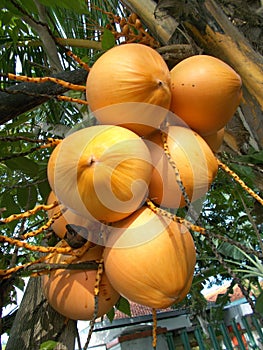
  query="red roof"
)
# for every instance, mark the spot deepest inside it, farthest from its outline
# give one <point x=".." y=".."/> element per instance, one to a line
<point x="138" y="310"/>
<point x="236" y="295"/>
<point x="141" y="310"/>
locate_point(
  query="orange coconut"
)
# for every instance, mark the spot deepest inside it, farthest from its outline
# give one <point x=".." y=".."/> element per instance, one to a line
<point x="205" y="93"/>
<point x="71" y="292"/>
<point x="129" y="73"/>
<point x="59" y="225"/>
<point x="68" y="217"/>
<point x="101" y="172"/>
<point x="194" y="160"/>
<point x="150" y="259"/>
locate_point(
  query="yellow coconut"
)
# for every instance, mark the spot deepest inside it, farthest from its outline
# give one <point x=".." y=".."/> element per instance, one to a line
<point x="205" y="92"/>
<point x="194" y="161"/>
<point x="71" y="292"/>
<point x="101" y="172"/>
<point x="125" y="75"/>
<point x="150" y="260"/>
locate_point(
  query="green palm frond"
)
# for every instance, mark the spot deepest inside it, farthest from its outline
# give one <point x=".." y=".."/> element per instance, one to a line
<point x="22" y="51"/>
<point x="253" y="270"/>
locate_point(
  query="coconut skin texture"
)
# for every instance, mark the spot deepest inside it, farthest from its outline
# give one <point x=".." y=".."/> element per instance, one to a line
<point x="101" y="172"/>
<point x="125" y="74"/>
<point x="157" y="272"/>
<point x="205" y="93"/>
<point x="71" y="292"/>
<point x="194" y="160"/>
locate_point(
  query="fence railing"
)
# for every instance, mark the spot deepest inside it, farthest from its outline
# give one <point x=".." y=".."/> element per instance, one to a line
<point x="244" y="335"/>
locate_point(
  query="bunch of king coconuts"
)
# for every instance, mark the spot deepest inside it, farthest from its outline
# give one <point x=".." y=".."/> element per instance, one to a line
<point x="157" y="134"/>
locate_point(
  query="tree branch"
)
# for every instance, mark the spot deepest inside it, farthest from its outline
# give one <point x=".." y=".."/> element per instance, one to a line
<point x="73" y="42"/>
<point x="84" y="265"/>
<point x="12" y="105"/>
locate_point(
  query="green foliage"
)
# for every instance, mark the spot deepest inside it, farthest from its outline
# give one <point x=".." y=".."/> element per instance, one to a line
<point x="23" y="185"/>
<point x="78" y="6"/>
<point x="252" y="268"/>
<point x="48" y="345"/>
<point x="230" y="214"/>
<point x="111" y="314"/>
<point x="108" y="40"/>
<point x="23" y="164"/>
<point x="252" y="157"/>
<point x="230" y="251"/>
<point x="259" y="303"/>
<point x="122" y="305"/>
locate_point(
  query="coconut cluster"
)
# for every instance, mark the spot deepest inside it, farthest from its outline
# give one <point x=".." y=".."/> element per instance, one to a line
<point x="156" y="138"/>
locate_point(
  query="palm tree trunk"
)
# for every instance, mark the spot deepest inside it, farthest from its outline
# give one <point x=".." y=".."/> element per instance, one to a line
<point x="36" y="322"/>
<point x="214" y="33"/>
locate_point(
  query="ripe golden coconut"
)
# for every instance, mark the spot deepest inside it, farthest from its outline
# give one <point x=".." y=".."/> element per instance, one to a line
<point x="205" y="93"/>
<point x="194" y="160"/>
<point x="125" y="74"/>
<point x="101" y="172"/>
<point x="150" y="259"/>
<point x="71" y="292"/>
<point x="90" y="229"/>
<point x="52" y="164"/>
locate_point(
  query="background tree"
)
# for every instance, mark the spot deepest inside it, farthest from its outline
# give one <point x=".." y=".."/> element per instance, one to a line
<point x="36" y="36"/>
